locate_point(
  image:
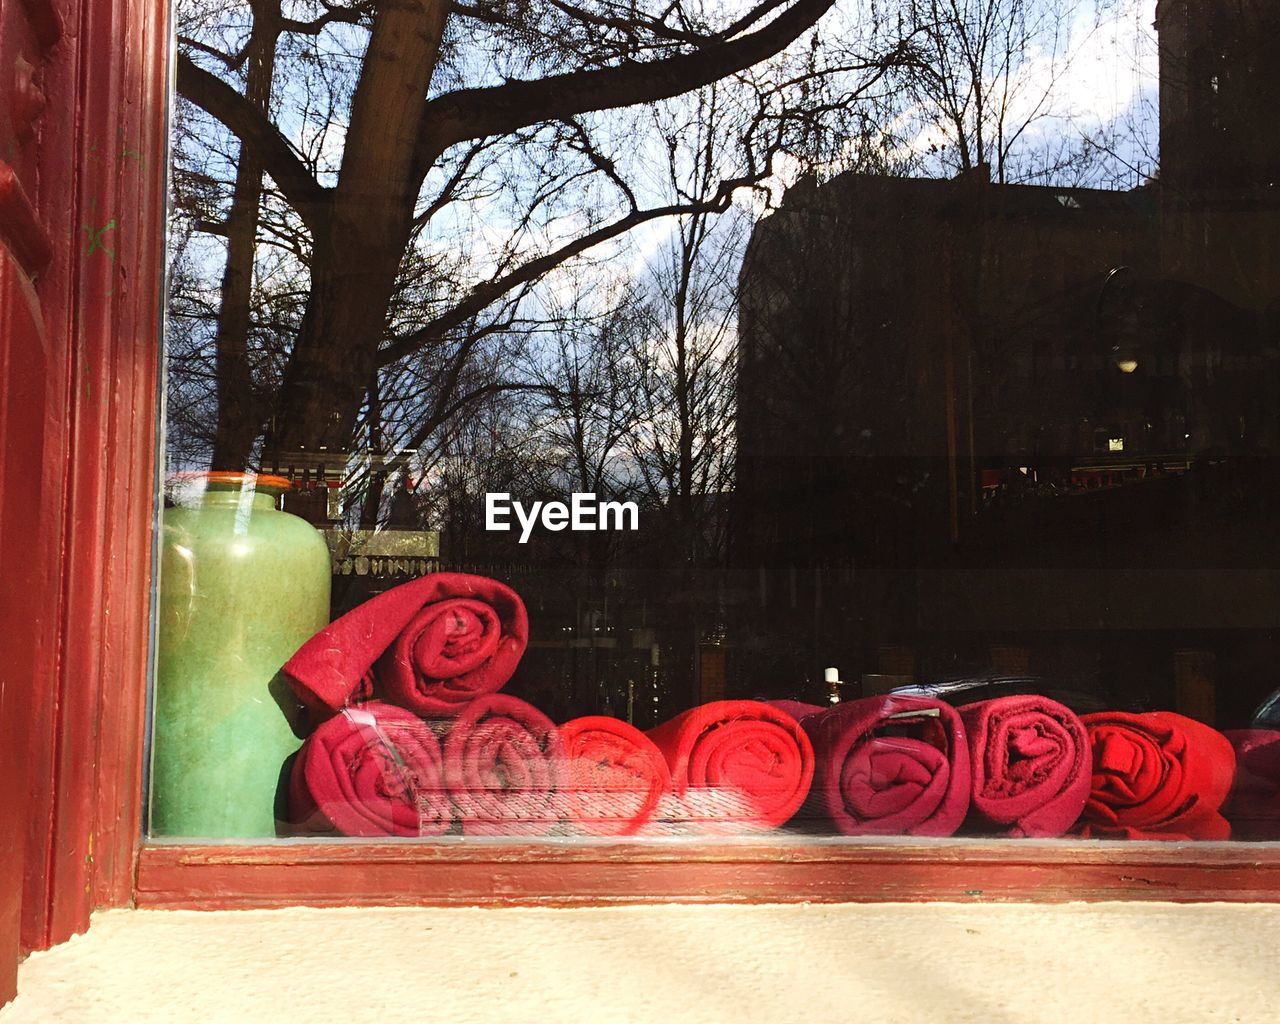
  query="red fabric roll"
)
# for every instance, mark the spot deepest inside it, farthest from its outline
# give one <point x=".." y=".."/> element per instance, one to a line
<point x="1254" y="805"/>
<point x="505" y="767"/>
<point x="437" y="642"/>
<point x="616" y="775"/>
<point x="1157" y="775"/>
<point x="1031" y="764"/>
<point x="371" y="770"/>
<point x="890" y="765"/>
<point x="736" y="762"/>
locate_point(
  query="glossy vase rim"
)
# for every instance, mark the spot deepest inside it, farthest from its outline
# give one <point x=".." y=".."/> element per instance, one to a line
<point x="263" y="483"/>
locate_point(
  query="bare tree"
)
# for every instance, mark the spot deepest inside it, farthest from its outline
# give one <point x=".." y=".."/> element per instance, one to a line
<point x="683" y="444"/>
<point x="369" y="163"/>
<point x="983" y="80"/>
<point x="589" y="405"/>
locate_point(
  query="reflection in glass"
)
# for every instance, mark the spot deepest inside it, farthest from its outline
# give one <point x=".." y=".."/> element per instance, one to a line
<point x="950" y="365"/>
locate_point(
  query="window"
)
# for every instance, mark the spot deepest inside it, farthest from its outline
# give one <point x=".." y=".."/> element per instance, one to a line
<point x="593" y="452"/>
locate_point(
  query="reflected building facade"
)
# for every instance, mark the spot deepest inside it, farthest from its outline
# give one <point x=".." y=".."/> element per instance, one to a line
<point x="991" y="428"/>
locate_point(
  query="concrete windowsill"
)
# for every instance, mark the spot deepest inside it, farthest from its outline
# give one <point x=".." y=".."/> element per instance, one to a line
<point x="667" y="964"/>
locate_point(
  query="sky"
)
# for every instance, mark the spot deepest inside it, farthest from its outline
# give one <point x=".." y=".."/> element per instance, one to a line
<point x="1101" y="82"/>
<point x="1100" y="79"/>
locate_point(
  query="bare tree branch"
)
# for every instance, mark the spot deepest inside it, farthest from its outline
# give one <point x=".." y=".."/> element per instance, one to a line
<point x="218" y="99"/>
<point x="333" y="15"/>
<point x="482" y="295"/>
<point x="473" y="113"/>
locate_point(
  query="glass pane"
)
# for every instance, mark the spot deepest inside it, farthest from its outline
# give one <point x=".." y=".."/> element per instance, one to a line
<point x="721" y="418"/>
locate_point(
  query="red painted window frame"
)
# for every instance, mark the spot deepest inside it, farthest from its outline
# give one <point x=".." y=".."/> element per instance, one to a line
<point x="97" y="188"/>
<point x="99" y="858"/>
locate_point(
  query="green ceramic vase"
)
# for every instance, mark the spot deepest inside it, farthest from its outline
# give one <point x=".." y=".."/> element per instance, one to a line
<point x="242" y="585"/>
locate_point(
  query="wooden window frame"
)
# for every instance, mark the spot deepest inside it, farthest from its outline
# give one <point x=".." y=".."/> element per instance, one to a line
<point x="96" y="855"/>
<point x="749" y="871"/>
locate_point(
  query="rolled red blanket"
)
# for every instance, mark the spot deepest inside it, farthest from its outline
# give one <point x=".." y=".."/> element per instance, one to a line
<point x="1157" y="775"/>
<point x="1031" y="764"/>
<point x="1253" y="808"/>
<point x="437" y="642"/>
<point x="505" y="767"/>
<point x="889" y="766"/>
<point x="736" y="762"/>
<point x="372" y="770"/>
<point x="616" y="775"/>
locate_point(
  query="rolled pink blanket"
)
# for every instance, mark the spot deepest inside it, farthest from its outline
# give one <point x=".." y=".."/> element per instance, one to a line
<point x="617" y="775"/>
<point x="371" y="770"/>
<point x="1157" y="775"/>
<point x="889" y="766"/>
<point x="430" y="645"/>
<point x="1253" y="808"/>
<point x="736" y="763"/>
<point x="506" y="768"/>
<point x="1031" y="765"/>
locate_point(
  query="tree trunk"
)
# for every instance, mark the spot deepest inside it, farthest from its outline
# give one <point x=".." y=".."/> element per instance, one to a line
<point x="684" y="390"/>
<point x="239" y="409"/>
<point x="359" y="247"/>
